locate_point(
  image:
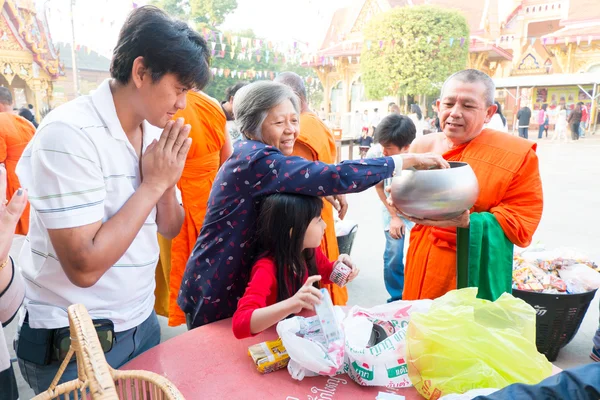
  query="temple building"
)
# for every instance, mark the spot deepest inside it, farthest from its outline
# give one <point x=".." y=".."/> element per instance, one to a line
<point x="538" y="52"/>
<point x="29" y="64"/>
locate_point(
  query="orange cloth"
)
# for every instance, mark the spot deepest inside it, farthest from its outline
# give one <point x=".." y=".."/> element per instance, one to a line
<point x="510" y="187"/>
<point x="207" y="119"/>
<point x="316" y="142"/>
<point x="15" y="133"/>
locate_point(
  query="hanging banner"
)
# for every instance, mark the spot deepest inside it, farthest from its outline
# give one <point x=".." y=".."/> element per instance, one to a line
<point x="221" y="37"/>
<point x="213" y="45"/>
<point x="578" y="40"/>
<point x="590" y="40"/>
<point x="462" y="41"/>
<point x="451" y="41"/>
<point x="567" y="40"/>
<point x="428" y="39"/>
<point x="532" y="41"/>
<point x="227" y="72"/>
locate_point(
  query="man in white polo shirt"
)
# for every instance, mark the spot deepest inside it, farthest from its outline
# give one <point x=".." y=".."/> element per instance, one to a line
<point x="101" y="178"/>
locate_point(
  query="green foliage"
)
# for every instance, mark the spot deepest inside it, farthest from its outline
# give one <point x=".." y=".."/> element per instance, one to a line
<point x="411" y="66"/>
<point x="202" y="13"/>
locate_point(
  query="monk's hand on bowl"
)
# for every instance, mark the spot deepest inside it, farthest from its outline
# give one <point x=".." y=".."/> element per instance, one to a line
<point x="430" y="161"/>
<point x="341" y="199"/>
<point x="462" y="221"/>
<point x="334" y="202"/>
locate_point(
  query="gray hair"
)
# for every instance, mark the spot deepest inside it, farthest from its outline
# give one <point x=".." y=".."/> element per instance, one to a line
<point x="473" y="76"/>
<point x="252" y="103"/>
<point x="5" y="96"/>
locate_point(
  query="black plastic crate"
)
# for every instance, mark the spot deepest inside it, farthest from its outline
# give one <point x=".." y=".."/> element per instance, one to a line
<point x="558" y="318"/>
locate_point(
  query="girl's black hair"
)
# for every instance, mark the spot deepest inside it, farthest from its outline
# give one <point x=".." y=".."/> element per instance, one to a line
<point x="282" y="224"/>
<point x="417" y="110"/>
<point x="499" y="112"/>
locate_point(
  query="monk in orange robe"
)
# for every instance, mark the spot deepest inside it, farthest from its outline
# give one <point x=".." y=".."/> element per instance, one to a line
<point x="506" y="167"/>
<point x="211" y="147"/>
<point x="15" y="133"/>
<point x="316" y="142"/>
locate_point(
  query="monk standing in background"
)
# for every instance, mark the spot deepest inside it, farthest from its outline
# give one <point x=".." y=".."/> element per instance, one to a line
<point x="15" y="133"/>
<point x="211" y="147"/>
<point x="510" y="187"/>
<point x="316" y="143"/>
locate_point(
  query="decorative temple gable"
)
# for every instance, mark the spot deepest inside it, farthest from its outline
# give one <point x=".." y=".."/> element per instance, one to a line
<point x="530" y="64"/>
<point x="368" y="10"/>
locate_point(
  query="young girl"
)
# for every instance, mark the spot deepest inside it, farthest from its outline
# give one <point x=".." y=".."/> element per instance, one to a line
<point x="283" y="279"/>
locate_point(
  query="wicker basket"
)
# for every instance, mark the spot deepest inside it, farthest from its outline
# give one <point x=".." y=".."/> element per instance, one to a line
<point x="96" y="379"/>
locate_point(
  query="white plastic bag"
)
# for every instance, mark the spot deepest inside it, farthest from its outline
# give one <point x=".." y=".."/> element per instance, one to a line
<point x="580" y="278"/>
<point x="375" y="343"/>
<point x="310" y="354"/>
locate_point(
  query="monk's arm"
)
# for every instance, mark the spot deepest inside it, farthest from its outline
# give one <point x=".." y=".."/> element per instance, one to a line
<point x="3" y="150"/>
<point x="226" y="150"/>
<point x="520" y="210"/>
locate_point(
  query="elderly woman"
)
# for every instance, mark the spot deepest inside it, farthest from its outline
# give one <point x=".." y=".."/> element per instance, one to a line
<point x="267" y="113"/>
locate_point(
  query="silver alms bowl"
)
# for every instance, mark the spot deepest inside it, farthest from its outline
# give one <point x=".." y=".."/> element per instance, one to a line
<point x="436" y="194"/>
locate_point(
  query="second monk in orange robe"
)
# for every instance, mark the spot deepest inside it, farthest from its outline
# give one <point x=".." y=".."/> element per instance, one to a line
<point x="15" y="133"/>
<point x="211" y="146"/>
<point x="316" y="142"/>
<point x="507" y="170"/>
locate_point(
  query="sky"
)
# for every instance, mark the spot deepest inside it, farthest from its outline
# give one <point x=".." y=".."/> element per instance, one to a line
<point x="97" y="22"/>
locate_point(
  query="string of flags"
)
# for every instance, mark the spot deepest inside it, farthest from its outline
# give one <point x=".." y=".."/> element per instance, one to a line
<point x="254" y="74"/>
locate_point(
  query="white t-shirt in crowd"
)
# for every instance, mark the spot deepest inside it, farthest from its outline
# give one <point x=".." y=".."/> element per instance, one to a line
<point x="80" y="168"/>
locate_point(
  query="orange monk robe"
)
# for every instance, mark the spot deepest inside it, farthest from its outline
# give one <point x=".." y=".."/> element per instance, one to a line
<point x="510" y="188"/>
<point x="15" y="133"/>
<point x="209" y="138"/>
<point x="316" y="142"/>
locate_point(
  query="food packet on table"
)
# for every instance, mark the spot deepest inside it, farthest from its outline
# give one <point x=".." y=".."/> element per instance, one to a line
<point x="375" y="343"/>
<point x="465" y="343"/>
<point x="269" y="356"/>
<point x="581" y="276"/>
<point x="314" y="350"/>
<point x="524" y="279"/>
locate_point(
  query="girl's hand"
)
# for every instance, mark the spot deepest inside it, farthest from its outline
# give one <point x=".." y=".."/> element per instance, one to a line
<point x="345" y="258"/>
<point x="307" y="296"/>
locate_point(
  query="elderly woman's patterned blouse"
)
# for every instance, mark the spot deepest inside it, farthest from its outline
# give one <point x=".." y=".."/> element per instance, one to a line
<point x="218" y="269"/>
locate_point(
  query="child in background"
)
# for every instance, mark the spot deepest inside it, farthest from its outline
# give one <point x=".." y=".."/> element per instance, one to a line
<point x="283" y="278"/>
<point x="394" y="134"/>
<point x="365" y="141"/>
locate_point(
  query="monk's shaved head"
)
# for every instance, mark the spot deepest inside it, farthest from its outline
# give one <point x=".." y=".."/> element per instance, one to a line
<point x="5" y="96"/>
<point x="295" y="82"/>
<point x="6" y="100"/>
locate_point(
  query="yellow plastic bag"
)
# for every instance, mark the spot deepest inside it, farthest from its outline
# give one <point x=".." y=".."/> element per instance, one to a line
<point x="464" y="343"/>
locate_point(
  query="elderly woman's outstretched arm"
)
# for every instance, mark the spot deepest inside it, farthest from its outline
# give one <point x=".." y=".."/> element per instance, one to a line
<point x="272" y="172"/>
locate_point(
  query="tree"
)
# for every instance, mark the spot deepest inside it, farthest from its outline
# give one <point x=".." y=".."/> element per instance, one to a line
<point x="412" y="50"/>
<point x="209" y="13"/>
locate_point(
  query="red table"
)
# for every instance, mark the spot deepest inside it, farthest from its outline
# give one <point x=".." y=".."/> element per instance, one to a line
<point x="210" y="363"/>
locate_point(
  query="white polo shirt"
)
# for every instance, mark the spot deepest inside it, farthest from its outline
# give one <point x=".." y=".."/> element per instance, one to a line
<point x="80" y="168"/>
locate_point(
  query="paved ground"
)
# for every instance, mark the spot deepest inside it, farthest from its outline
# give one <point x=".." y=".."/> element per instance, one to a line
<point x="570" y="174"/>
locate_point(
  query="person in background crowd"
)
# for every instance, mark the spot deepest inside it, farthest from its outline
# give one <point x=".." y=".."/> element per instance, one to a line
<point x="510" y="197"/>
<point x="417" y="118"/>
<point x="101" y="177"/>
<point x="436" y="124"/>
<point x="316" y="143"/>
<point x="585" y="115"/>
<point x="365" y="142"/>
<point x="227" y="106"/>
<point x="543" y="120"/>
<point x="498" y="122"/>
<point x="375" y="118"/>
<point x="211" y="147"/>
<point x="12" y="287"/>
<point x="560" y="128"/>
<point x="394" y="135"/>
<point x="290" y="262"/>
<point x="15" y="134"/>
<point x="390" y="107"/>
<point x="25" y="113"/>
<point x="524" y="118"/>
<point x="268" y="114"/>
<point x="574" y="120"/>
